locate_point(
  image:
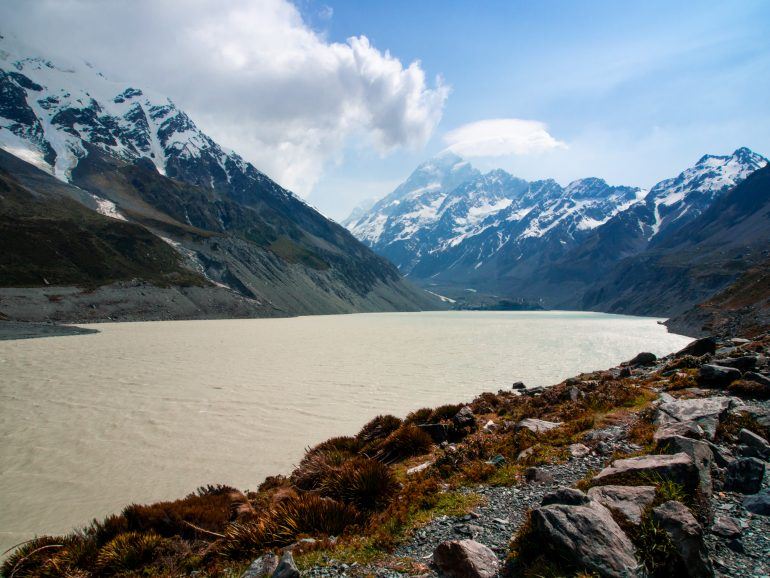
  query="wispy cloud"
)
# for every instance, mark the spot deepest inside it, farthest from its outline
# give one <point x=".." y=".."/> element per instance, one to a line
<point x="501" y="137"/>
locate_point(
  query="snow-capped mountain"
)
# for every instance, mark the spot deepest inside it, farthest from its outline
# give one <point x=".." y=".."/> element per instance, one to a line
<point x="503" y="234"/>
<point x="143" y="159"/>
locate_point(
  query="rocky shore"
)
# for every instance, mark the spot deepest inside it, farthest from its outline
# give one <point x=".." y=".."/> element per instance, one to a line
<point x="656" y="467"/>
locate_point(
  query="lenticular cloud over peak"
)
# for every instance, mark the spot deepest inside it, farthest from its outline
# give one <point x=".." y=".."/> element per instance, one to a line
<point x="501" y="137"/>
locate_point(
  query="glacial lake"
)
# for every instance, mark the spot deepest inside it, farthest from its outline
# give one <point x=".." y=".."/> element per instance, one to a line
<point x="150" y="411"/>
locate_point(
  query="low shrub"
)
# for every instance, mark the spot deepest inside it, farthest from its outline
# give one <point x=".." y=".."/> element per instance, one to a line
<point x="405" y="442"/>
<point x="378" y="429"/>
<point x="316" y="467"/>
<point x="365" y="483"/>
<point x="129" y="551"/>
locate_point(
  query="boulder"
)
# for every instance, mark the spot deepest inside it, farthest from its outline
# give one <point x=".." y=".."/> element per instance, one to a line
<point x="759" y="414"/>
<point x="438" y="432"/>
<point x="743" y="363"/>
<point x="627" y="501"/>
<point x="643" y="358"/>
<point x="518" y="385"/>
<point x="262" y="567"/>
<point x="704" y="346"/>
<point x="756" y="443"/>
<point x="566" y="496"/>
<point x="759" y="503"/>
<point x="701" y="455"/>
<point x="538" y="476"/>
<point x="687" y="429"/>
<point x="706" y="412"/>
<point x="286" y="567"/>
<point x="490" y="426"/>
<point x="678" y="468"/>
<point x="727" y="527"/>
<point x="745" y="475"/>
<point x="686" y="535"/>
<point x="419" y="468"/>
<point x="711" y="375"/>
<point x="586" y="536"/>
<point x="536" y="425"/>
<point x="465" y="559"/>
<point x="624" y="372"/>
<point x="757" y="378"/>
<point x="578" y="450"/>
<point x="465" y="418"/>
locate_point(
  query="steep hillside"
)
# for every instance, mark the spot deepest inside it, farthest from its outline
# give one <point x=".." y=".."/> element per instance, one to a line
<point x="697" y="261"/>
<point x="138" y="157"/>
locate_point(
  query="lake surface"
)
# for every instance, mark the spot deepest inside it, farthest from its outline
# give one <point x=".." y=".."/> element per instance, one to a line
<point x="149" y="411"/>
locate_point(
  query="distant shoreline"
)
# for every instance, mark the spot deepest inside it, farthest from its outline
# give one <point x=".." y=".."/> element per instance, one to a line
<point x="10" y="330"/>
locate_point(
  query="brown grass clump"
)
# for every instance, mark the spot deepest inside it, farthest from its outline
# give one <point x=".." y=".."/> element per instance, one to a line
<point x="129" y="551"/>
<point x="365" y="483"/>
<point x="405" y="442"/>
<point x="33" y="558"/>
<point x="345" y="444"/>
<point x="305" y="515"/>
<point x="208" y="508"/>
<point x="683" y="380"/>
<point x="444" y="412"/>
<point x="378" y="429"/>
<point x="749" y="389"/>
<point x="728" y="428"/>
<point x="316" y="467"/>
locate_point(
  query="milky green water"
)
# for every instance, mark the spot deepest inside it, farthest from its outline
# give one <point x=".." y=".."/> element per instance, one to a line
<point x="150" y="411"/>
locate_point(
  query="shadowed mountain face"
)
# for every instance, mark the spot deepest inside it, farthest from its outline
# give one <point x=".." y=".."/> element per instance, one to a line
<point x="137" y="157"/>
<point x="540" y="242"/>
<point x="698" y="261"/>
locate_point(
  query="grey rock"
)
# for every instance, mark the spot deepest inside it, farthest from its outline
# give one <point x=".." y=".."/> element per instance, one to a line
<point x="759" y="414"/>
<point x="536" y="425"/>
<point x="579" y="450"/>
<point x="679" y="468"/>
<point x="756" y="442"/>
<point x="757" y="378"/>
<point x="628" y="501"/>
<point x="706" y="412"/>
<point x="643" y="358"/>
<point x="743" y="363"/>
<point x="722" y="456"/>
<point x="538" y="475"/>
<point x="566" y="496"/>
<point x="262" y="567"/>
<point x="439" y="432"/>
<point x="686" y="536"/>
<point x="759" y="503"/>
<point x="688" y="429"/>
<point x="745" y="475"/>
<point x="464" y="418"/>
<point x="706" y="345"/>
<point x="286" y="567"/>
<point x="717" y="376"/>
<point x="701" y="455"/>
<point x="587" y="536"/>
<point x="465" y="559"/>
<point x="518" y="385"/>
<point x="727" y="527"/>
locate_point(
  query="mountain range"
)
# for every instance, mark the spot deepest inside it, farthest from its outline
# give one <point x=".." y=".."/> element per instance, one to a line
<point x="135" y="158"/>
<point x="585" y="245"/>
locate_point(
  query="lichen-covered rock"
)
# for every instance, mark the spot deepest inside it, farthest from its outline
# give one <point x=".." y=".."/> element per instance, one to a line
<point x="727" y="527"/>
<point x="757" y="443"/>
<point x="465" y="559"/>
<point x="286" y="567"/>
<point x="688" y="429"/>
<point x="706" y="412"/>
<point x="627" y="501"/>
<point x="262" y="567"/>
<point x="587" y="536"/>
<point x="686" y="535"/>
<point x="678" y="468"/>
<point x="537" y="425"/>
<point x="717" y="375"/>
<point x="578" y="450"/>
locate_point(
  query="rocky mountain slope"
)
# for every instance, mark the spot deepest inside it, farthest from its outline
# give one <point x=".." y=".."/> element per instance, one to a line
<point x="139" y="158"/>
<point x="534" y="241"/>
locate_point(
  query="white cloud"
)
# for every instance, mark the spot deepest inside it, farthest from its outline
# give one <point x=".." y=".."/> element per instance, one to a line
<point x="501" y="137"/>
<point x="252" y="73"/>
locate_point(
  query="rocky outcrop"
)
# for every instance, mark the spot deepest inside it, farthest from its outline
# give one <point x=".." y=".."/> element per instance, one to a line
<point x="286" y="567"/>
<point x="629" y="502"/>
<point x="745" y="475"/>
<point x="587" y="536"/>
<point x="717" y="376"/>
<point x="686" y="536"/>
<point x="262" y="567"/>
<point x="701" y="455"/>
<point x="465" y="559"/>
<point x="678" y="468"/>
<point x="536" y="425"/>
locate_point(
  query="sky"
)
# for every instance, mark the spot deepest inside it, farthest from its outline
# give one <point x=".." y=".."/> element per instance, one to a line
<point x="341" y="100"/>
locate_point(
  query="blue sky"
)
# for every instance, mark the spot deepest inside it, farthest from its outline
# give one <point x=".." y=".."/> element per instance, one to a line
<point x="636" y="91"/>
<point x="339" y="100"/>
